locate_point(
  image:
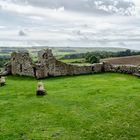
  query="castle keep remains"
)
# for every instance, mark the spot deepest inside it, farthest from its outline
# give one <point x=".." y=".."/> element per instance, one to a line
<point x="22" y="64"/>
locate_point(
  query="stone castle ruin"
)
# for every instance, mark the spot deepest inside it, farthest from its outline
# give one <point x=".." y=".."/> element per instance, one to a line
<point x="47" y="65"/>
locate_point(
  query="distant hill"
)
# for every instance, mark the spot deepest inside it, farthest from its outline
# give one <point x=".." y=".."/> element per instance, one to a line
<point x="58" y="51"/>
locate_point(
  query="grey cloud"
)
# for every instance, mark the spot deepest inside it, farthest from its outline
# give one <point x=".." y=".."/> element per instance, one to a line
<point x="121" y="7"/>
<point x="82" y="30"/>
<point x="22" y="33"/>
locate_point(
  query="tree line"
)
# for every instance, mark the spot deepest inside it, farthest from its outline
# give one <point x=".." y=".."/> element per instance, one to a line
<point x="94" y="57"/>
<point x="3" y="60"/>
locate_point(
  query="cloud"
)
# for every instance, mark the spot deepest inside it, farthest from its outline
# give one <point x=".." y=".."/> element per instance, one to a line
<point x="122" y="7"/>
<point x="38" y="12"/>
<point x="91" y="23"/>
<point x="22" y="33"/>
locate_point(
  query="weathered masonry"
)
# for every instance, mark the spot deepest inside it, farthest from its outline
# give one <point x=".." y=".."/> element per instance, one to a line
<point x="47" y="65"/>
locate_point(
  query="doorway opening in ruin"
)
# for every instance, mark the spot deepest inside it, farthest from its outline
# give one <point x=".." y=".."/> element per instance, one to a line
<point x="20" y="67"/>
<point x="93" y="69"/>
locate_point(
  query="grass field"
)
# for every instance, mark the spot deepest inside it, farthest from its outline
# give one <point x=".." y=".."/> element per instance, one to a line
<point x="89" y="107"/>
<point x="79" y="61"/>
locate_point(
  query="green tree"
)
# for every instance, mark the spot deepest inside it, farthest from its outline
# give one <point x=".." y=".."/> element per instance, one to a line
<point x="94" y="59"/>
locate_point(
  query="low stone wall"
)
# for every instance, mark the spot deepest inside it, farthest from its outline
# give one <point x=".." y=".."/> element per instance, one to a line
<point x="128" y="69"/>
<point x="57" y="68"/>
<point x="47" y="65"/>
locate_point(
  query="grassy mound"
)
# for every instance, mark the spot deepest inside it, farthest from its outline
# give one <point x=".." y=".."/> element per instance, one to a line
<point x="90" y="107"/>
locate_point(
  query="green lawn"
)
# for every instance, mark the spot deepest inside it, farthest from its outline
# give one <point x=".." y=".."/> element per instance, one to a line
<point x="89" y="107"/>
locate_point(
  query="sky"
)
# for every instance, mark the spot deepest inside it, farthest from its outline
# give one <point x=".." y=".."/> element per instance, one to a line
<point x="70" y="23"/>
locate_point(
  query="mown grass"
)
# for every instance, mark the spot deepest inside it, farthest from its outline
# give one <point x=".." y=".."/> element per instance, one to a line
<point x="89" y="107"/>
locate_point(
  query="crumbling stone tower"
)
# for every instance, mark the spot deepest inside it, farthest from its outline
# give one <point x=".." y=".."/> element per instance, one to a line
<point x="46" y="64"/>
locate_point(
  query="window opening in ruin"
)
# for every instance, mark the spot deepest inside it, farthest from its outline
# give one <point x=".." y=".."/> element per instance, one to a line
<point x="34" y="69"/>
<point x="45" y="56"/>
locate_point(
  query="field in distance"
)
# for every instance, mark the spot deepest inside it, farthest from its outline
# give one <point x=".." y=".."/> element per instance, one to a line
<point x="130" y="60"/>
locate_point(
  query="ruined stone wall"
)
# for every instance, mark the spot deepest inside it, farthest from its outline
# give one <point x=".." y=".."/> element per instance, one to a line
<point x="61" y="69"/>
<point x="21" y="64"/>
<point x="47" y="65"/>
<point x="128" y="69"/>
